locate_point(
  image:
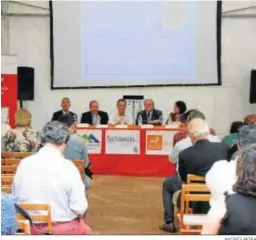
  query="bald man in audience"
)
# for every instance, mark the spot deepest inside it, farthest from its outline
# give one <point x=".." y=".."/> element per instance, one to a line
<point x="197" y="160"/>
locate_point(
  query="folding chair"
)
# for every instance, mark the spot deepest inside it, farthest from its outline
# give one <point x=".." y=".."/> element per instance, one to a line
<point x="24" y="226"/>
<point x="7" y="179"/>
<point x="195" y="179"/>
<point x="80" y="165"/>
<point x="189" y="221"/>
<point x="15" y="154"/>
<point x="38" y="218"/>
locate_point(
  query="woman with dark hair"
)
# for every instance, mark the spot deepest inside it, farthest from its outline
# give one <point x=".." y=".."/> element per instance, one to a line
<point x="178" y="113"/>
<point x="240" y="208"/>
<point x="233" y="136"/>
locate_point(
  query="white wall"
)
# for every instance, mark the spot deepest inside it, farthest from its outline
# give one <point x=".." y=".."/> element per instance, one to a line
<point x="29" y="38"/>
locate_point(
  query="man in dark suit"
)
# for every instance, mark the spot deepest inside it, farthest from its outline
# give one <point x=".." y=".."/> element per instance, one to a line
<point x="94" y="116"/>
<point x="65" y="105"/>
<point x="149" y="115"/>
<point x="196" y="160"/>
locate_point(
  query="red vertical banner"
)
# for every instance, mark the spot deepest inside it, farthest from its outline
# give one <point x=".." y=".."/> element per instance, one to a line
<point x="9" y="88"/>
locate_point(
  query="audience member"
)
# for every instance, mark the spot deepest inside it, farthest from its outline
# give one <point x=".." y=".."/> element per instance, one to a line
<point x="9" y="224"/>
<point x="65" y="107"/>
<point x="197" y="160"/>
<point x="178" y="113"/>
<point x="121" y="117"/>
<point x="250" y="119"/>
<point x="47" y="177"/>
<point x="238" y="215"/>
<point x="23" y="138"/>
<point x="187" y="116"/>
<point x="186" y="142"/>
<point x="233" y="136"/>
<point x="5" y="127"/>
<point x="221" y="177"/>
<point x="149" y="115"/>
<point x="76" y="148"/>
<point x="94" y="116"/>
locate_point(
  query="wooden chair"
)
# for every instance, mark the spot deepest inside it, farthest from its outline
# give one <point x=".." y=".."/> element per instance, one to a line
<point x="195" y="179"/>
<point x="10" y="161"/>
<point x="8" y="169"/>
<point x="15" y="154"/>
<point x="187" y="221"/>
<point x="6" y="189"/>
<point x="24" y="226"/>
<point x="80" y="165"/>
<point x="7" y="179"/>
<point x="42" y="217"/>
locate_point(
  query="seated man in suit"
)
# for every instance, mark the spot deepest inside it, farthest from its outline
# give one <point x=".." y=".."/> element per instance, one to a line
<point x="65" y="105"/>
<point x="197" y="160"/>
<point x="150" y="115"/>
<point x="94" y="116"/>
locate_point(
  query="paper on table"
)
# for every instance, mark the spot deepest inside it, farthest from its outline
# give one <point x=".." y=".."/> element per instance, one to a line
<point x="80" y="125"/>
<point x="146" y="126"/>
<point x="101" y="126"/>
<point x="172" y="126"/>
<point x="121" y="126"/>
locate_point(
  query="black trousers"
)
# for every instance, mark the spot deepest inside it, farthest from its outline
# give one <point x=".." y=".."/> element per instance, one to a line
<point x="170" y="186"/>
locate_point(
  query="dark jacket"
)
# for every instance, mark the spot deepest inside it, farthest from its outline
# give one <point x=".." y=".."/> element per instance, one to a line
<point x="198" y="159"/>
<point x="240" y="217"/>
<point x="87" y="117"/>
<point x="56" y="116"/>
<point x="156" y="115"/>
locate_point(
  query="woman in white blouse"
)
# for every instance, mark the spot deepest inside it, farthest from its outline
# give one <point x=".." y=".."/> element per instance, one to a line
<point x="121" y="118"/>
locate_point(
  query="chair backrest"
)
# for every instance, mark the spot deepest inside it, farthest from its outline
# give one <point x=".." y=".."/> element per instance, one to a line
<point x="80" y="165"/>
<point x="195" y="179"/>
<point x="42" y="217"/>
<point x="10" y="161"/>
<point x="9" y="169"/>
<point x="24" y="226"/>
<point x="9" y="165"/>
<point x="7" y="179"/>
<point x="193" y="193"/>
<point x="6" y="189"/>
<point x="15" y="154"/>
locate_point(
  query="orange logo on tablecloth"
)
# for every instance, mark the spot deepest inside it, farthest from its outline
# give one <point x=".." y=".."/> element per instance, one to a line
<point x="154" y="142"/>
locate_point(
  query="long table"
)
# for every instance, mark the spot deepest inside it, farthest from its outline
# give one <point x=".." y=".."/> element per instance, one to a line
<point x="129" y="151"/>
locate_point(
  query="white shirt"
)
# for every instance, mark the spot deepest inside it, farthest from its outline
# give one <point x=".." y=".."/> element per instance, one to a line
<point x="47" y="177"/>
<point x="220" y="179"/>
<point x="126" y="119"/>
<point x="184" y="144"/>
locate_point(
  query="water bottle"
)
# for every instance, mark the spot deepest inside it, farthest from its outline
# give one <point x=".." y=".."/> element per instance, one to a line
<point x="140" y="120"/>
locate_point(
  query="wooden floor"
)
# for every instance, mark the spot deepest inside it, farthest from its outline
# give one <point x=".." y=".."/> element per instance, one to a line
<point x="125" y="205"/>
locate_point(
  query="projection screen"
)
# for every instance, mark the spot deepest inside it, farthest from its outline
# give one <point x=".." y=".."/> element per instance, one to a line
<point x="134" y="43"/>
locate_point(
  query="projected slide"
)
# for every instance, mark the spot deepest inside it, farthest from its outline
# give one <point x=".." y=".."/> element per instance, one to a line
<point x="134" y="39"/>
<point x="122" y="43"/>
